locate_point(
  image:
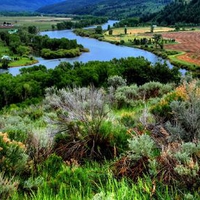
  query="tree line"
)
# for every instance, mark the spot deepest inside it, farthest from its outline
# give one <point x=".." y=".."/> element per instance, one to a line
<point x="81" y="22"/>
<point x="31" y="83"/>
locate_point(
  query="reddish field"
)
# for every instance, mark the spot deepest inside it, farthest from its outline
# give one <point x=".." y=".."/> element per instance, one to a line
<point x="189" y="42"/>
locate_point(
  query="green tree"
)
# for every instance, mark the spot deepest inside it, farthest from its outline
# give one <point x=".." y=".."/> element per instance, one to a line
<point x="152" y="28"/>
<point x="32" y="29"/>
<point x="53" y="27"/>
<point x="99" y="30"/>
<point x="23" y="50"/>
<point x="125" y="30"/>
<point x="158" y="40"/>
<point x="110" y="32"/>
<point x="5" y="62"/>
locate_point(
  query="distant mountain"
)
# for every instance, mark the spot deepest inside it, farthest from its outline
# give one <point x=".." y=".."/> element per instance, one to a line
<point x="111" y="8"/>
<point x="24" y="5"/>
<point x="180" y="11"/>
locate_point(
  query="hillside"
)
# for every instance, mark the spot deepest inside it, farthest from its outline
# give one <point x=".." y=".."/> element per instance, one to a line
<point x="24" y="5"/>
<point x="180" y="11"/>
<point x="111" y="8"/>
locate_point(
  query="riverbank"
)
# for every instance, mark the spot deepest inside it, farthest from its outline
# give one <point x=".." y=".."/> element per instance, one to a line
<point x="139" y="37"/>
<point x="180" y="48"/>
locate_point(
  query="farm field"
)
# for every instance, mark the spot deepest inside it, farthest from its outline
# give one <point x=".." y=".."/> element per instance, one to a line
<point x="141" y="30"/>
<point x="188" y="42"/>
<point x="42" y="22"/>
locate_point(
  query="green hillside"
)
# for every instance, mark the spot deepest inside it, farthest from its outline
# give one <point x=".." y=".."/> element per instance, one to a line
<point x="24" y="5"/>
<point x="111" y="8"/>
<point x="180" y="11"/>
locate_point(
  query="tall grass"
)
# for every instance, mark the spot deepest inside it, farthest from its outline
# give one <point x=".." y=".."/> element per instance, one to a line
<point x="113" y="189"/>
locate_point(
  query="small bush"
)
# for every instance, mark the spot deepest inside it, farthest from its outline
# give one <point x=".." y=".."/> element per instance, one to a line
<point x="12" y="155"/>
<point x="154" y="89"/>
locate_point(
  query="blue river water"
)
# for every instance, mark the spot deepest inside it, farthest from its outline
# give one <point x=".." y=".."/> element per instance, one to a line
<point x="99" y="50"/>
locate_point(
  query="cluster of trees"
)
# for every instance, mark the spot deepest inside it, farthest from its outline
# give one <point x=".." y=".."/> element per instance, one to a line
<point x="60" y="53"/>
<point x="26" y="42"/>
<point x="93" y="33"/>
<point x="81" y="23"/>
<point x="31" y="83"/>
<point x="134" y="21"/>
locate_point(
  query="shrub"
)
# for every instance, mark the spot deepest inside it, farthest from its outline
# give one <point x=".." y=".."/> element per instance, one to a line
<point x="130" y="95"/>
<point x="134" y="163"/>
<point x="185" y="122"/>
<point x="126" y="95"/>
<point x="141" y="146"/>
<point x="39" y="146"/>
<point x="12" y="155"/>
<point x="116" y="81"/>
<point x="154" y="89"/>
<point x="162" y="110"/>
<point x="80" y="113"/>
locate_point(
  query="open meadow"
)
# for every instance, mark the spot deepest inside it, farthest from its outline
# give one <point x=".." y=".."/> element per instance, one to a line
<point x="141" y="30"/>
<point x="134" y="32"/>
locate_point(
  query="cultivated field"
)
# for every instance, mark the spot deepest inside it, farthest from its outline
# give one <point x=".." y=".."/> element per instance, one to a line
<point x="140" y="30"/>
<point x="188" y="42"/>
<point x="42" y="22"/>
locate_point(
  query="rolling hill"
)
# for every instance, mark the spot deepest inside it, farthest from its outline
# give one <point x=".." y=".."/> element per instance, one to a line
<point x="111" y="8"/>
<point x="24" y="5"/>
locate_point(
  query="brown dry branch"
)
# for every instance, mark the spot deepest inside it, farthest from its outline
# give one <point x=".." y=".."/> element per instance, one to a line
<point x="126" y="167"/>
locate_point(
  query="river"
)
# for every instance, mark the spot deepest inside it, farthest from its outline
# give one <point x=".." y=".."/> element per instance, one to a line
<point x="102" y="51"/>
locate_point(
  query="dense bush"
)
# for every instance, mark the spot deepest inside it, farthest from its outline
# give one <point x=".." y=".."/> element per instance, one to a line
<point x="133" y="94"/>
<point x="79" y="113"/>
<point x="185" y="122"/>
<point x="61" y="53"/>
<point x="185" y="95"/>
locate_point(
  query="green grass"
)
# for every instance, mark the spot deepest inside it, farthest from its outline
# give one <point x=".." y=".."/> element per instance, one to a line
<point x="3" y="49"/>
<point x="112" y="189"/>
<point x="22" y="62"/>
<point x="175" y="60"/>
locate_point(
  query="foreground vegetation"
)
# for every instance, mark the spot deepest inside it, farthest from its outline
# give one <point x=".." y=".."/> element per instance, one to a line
<point x="118" y="140"/>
